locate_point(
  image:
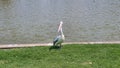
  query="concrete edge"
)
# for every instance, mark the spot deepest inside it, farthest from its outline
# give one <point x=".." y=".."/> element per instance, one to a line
<point x="5" y="46"/>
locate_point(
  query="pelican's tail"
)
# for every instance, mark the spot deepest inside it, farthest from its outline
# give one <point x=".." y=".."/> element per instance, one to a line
<point x="53" y="43"/>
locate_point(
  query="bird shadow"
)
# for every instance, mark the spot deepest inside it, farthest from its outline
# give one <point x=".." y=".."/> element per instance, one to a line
<point x="54" y="48"/>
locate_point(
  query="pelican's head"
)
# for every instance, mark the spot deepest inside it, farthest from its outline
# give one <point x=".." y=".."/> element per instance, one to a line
<point x="60" y="26"/>
<point x="61" y="22"/>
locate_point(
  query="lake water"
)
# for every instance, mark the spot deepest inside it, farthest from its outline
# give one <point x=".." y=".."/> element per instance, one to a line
<point x="36" y="21"/>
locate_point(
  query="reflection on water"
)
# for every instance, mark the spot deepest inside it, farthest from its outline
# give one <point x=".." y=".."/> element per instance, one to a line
<point x="29" y="21"/>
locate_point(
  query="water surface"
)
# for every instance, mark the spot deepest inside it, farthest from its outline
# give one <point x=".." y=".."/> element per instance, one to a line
<point x="36" y="21"/>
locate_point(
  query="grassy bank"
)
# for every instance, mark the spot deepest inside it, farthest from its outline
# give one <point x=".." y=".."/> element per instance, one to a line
<point x="70" y="56"/>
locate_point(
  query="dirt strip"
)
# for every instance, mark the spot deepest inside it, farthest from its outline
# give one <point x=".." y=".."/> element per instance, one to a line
<point x="50" y="44"/>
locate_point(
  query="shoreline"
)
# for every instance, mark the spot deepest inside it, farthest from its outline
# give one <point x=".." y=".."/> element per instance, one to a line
<point x="7" y="46"/>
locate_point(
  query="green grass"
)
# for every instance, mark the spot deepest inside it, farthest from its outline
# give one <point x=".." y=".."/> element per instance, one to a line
<point x="70" y="56"/>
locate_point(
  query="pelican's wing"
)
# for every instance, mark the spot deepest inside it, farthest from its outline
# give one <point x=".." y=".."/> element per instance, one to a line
<point x="56" y="40"/>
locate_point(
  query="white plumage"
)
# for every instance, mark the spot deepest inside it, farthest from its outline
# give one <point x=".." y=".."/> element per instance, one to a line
<point x="60" y="38"/>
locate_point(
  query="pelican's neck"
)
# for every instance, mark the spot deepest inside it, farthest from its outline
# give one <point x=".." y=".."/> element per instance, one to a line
<point x="62" y="35"/>
<point x="61" y="32"/>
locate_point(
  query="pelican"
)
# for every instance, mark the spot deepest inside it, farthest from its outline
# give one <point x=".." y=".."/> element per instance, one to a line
<point x="60" y="38"/>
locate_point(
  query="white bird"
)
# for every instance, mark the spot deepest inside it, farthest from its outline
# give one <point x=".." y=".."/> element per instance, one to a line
<point x="60" y="38"/>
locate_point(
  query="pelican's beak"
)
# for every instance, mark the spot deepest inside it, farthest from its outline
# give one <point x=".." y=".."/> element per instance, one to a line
<point x="60" y="26"/>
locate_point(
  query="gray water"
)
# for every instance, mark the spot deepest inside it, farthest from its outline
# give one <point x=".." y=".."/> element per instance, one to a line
<point x="36" y="21"/>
